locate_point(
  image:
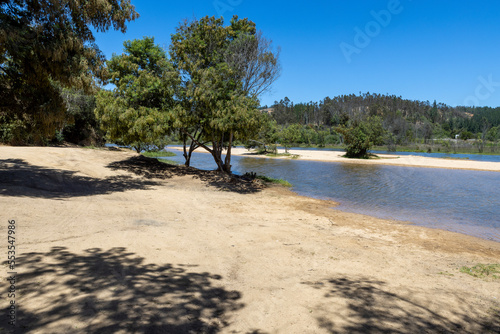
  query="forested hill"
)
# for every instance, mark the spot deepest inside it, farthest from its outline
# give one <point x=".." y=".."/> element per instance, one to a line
<point x="405" y="119"/>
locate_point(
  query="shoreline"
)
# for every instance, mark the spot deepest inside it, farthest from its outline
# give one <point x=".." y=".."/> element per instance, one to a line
<point x="104" y="234"/>
<point x="484" y="233"/>
<point x="384" y="159"/>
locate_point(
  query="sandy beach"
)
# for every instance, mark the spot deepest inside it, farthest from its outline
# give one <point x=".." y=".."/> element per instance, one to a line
<point x="383" y="159"/>
<point x="111" y="242"/>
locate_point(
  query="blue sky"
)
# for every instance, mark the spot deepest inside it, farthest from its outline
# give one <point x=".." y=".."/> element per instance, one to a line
<point x="447" y="51"/>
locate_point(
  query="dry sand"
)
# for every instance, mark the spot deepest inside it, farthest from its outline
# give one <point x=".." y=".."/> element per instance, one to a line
<point x="383" y="159"/>
<point x="107" y="242"/>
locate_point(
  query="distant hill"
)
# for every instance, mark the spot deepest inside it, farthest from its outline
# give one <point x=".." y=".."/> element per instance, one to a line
<point x="404" y="119"/>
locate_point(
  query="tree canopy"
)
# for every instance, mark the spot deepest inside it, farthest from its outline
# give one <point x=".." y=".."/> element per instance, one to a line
<point x="46" y="45"/>
<point x="223" y="70"/>
<point x="138" y="110"/>
<point x="361" y="135"/>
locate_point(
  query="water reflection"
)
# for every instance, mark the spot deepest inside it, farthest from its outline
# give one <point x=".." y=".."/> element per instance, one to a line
<point x="457" y="200"/>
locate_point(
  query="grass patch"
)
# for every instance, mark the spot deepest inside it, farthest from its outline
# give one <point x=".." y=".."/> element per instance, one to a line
<point x="273" y="180"/>
<point x="168" y="161"/>
<point x="156" y="154"/>
<point x="483" y="271"/>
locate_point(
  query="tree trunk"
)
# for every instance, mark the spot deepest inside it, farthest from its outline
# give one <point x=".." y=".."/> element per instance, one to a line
<point x="217" y="152"/>
<point x="192" y="147"/>
<point x="187" y="158"/>
<point x="227" y="162"/>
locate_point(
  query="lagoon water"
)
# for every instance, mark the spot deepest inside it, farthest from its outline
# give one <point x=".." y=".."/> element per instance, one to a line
<point x="456" y="200"/>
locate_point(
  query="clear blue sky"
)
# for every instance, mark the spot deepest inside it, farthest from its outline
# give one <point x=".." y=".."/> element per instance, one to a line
<point x="447" y="51"/>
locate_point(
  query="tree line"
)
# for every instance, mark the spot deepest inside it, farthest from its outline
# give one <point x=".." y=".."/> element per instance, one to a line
<point x="204" y="88"/>
<point x="383" y="119"/>
<point x="202" y="91"/>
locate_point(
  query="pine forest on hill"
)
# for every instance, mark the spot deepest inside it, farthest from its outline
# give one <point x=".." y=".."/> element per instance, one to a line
<point x="403" y="124"/>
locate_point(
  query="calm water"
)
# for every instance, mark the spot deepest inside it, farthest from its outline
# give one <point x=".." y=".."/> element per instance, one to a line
<point x="457" y="200"/>
<point x="474" y="157"/>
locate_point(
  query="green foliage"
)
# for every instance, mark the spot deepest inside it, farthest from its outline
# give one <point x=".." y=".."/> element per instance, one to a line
<point x="293" y="134"/>
<point x="252" y="176"/>
<point x="217" y="103"/>
<point x="268" y="179"/>
<point x="482" y="116"/>
<point x="46" y="45"/>
<point x="59" y="138"/>
<point x="267" y="137"/>
<point x="483" y="271"/>
<point x="12" y="129"/>
<point x="360" y="136"/>
<point x="404" y="121"/>
<point x="81" y="126"/>
<point x="168" y="161"/>
<point x="290" y="135"/>
<point x="357" y="140"/>
<point x="375" y="130"/>
<point x="493" y="134"/>
<point x="465" y="135"/>
<point x="138" y="111"/>
<point x="33" y="115"/>
<point x="156" y="154"/>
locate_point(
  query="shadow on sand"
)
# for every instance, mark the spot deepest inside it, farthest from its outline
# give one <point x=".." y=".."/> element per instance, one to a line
<point x="369" y="306"/>
<point x="109" y="291"/>
<point x="21" y="179"/>
<point x="151" y="168"/>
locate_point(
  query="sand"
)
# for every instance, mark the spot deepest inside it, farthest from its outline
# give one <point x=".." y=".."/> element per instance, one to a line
<point x="383" y="159"/>
<point x="108" y="242"/>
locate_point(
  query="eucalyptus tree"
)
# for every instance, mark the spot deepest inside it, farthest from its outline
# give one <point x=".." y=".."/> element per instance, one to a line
<point x="138" y="110"/>
<point x="47" y="45"/>
<point x="223" y="70"/>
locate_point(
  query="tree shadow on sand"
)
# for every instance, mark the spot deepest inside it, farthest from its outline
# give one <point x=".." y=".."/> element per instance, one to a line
<point x="19" y="178"/>
<point x="368" y="306"/>
<point x="151" y="168"/>
<point x="114" y="291"/>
